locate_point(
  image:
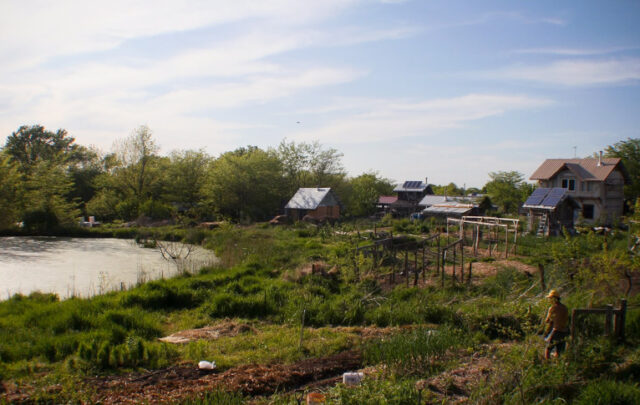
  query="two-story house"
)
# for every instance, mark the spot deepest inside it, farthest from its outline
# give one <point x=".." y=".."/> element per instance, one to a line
<point x="595" y="183"/>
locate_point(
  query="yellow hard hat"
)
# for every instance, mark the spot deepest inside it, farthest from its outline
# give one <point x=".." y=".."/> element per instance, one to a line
<point x="553" y="294"/>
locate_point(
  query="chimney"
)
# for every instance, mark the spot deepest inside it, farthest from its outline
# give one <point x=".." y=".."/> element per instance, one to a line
<point x="426" y="181"/>
<point x="600" y="159"/>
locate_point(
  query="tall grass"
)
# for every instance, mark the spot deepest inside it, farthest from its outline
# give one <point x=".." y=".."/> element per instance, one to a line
<point x="414" y="352"/>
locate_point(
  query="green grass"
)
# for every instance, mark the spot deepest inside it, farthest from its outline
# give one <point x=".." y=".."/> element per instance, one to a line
<point x="117" y="332"/>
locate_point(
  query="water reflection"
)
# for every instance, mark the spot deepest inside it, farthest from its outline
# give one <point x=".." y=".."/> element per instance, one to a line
<point x="81" y="267"/>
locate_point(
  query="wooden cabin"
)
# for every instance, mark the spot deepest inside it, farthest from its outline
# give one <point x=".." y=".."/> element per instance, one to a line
<point x="319" y="204"/>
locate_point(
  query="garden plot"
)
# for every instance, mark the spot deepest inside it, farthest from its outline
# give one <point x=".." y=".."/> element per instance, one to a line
<point x="183" y="381"/>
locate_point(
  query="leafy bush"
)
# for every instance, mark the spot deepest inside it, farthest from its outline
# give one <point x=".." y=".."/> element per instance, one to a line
<point x="606" y="392"/>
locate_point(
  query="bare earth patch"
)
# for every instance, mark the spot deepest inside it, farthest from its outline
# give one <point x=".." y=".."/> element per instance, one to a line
<point x="183" y="381"/>
<point x="455" y="386"/>
<point x="224" y="328"/>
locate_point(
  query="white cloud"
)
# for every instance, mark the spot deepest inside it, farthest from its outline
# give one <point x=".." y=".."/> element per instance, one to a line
<point x="577" y="72"/>
<point x="34" y="31"/>
<point x="393" y="119"/>
<point x="575" y="51"/>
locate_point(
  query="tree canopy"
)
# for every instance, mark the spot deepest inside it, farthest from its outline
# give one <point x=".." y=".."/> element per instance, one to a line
<point x="629" y="152"/>
<point x="508" y="190"/>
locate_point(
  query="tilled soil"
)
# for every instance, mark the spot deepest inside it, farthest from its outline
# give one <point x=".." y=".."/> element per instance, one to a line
<point x="182" y="381"/>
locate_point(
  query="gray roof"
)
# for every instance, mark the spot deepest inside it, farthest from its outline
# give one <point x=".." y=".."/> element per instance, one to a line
<point x="429" y="200"/>
<point x="312" y="198"/>
<point x="449" y="208"/>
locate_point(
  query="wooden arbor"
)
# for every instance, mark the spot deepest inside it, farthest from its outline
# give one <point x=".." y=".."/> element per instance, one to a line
<point x="498" y="229"/>
<point x="425" y="251"/>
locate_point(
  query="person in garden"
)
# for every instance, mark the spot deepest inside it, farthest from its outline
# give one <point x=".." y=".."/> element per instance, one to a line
<point x="558" y="320"/>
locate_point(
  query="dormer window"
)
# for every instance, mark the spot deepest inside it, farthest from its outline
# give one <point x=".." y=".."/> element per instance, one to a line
<point x="569" y="184"/>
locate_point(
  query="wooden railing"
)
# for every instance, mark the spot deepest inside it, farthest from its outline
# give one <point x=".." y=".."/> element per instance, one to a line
<point x="610" y="314"/>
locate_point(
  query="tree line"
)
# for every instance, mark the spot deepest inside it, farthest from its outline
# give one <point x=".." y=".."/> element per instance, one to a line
<point x="47" y="180"/>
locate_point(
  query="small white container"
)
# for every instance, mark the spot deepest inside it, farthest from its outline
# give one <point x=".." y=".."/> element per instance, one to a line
<point x="352" y="378"/>
<point x="206" y="365"/>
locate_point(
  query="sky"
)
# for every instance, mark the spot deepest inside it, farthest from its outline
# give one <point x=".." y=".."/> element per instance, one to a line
<point x="445" y="90"/>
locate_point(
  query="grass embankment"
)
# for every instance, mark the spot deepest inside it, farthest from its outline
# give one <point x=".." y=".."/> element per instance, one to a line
<point x="258" y="281"/>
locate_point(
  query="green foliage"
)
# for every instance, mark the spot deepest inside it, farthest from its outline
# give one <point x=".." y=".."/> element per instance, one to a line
<point x="30" y="145"/>
<point x="365" y="190"/>
<point x="9" y="191"/>
<point x="507" y="190"/>
<point x="629" y="152"/>
<point x="415" y="352"/>
<point x="233" y="188"/>
<point x="376" y="392"/>
<point x="216" y="397"/>
<point x="609" y="392"/>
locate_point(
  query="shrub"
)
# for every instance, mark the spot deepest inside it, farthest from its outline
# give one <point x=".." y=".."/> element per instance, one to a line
<point x="609" y="393"/>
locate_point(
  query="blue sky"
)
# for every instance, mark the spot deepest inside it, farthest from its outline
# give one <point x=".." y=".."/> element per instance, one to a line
<point x="448" y="90"/>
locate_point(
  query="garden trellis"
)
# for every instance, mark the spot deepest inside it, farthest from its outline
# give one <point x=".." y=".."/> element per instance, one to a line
<point x="497" y="229"/>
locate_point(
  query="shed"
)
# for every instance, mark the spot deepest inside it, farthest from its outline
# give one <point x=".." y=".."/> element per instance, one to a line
<point x="554" y="208"/>
<point x="319" y="203"/>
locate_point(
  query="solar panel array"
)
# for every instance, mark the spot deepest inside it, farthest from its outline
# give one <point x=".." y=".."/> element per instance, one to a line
<point x="554" y="197"/>
<point x="546" y="197"/>
<point x="537" y="196"/>
<point x="412" y="184"/>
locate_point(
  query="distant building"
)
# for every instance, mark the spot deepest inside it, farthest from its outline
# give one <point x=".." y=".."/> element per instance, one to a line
<point x="319" y="204"/>
<point x="449" y="206"/>
<point x="385" y="202"/>
<point x="409" y="195"/>
<point x="596" y="184"/>
<point x="412" y="191"/>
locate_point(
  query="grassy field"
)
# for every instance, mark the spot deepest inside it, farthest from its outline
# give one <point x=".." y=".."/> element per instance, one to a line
<point x="263" y="281"/>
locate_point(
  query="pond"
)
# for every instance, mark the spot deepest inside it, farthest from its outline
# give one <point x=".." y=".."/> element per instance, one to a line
<point x="86" y="267"/>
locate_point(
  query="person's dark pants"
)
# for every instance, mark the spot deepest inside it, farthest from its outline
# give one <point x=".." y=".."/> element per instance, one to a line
<point x="558" y="341"/>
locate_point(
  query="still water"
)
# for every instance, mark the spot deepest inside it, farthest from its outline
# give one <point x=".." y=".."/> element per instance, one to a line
<point x="82" y="267"/>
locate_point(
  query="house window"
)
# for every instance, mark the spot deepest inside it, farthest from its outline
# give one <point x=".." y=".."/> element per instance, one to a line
<point x="587" y="211"/>
<point x="569" y="184"/>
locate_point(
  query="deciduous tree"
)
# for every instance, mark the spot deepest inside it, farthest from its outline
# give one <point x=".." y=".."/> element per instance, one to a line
<point x="629" y="152"/>
<point x="246" y="184"/>
<point x="507" y="190"/>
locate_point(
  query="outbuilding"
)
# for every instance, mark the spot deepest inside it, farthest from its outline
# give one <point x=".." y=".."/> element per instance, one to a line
<point x="318" y="203"/>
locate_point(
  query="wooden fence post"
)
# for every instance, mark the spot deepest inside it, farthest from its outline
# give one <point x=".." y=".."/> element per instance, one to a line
<point x="415" y="267"/>
<point x="462" y="261"/>
<point x="620" y="316"/>
<point x="453" y="268"/>
<point x="543" y="285"/>
<point x="607" y="320"/>
<point x="444" y="253"/>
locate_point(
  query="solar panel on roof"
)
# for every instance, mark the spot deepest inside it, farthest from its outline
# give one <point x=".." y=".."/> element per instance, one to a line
<point x="412" y="184"/>
<point x="537" y="196"/>
<point x="555" y="196"/>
